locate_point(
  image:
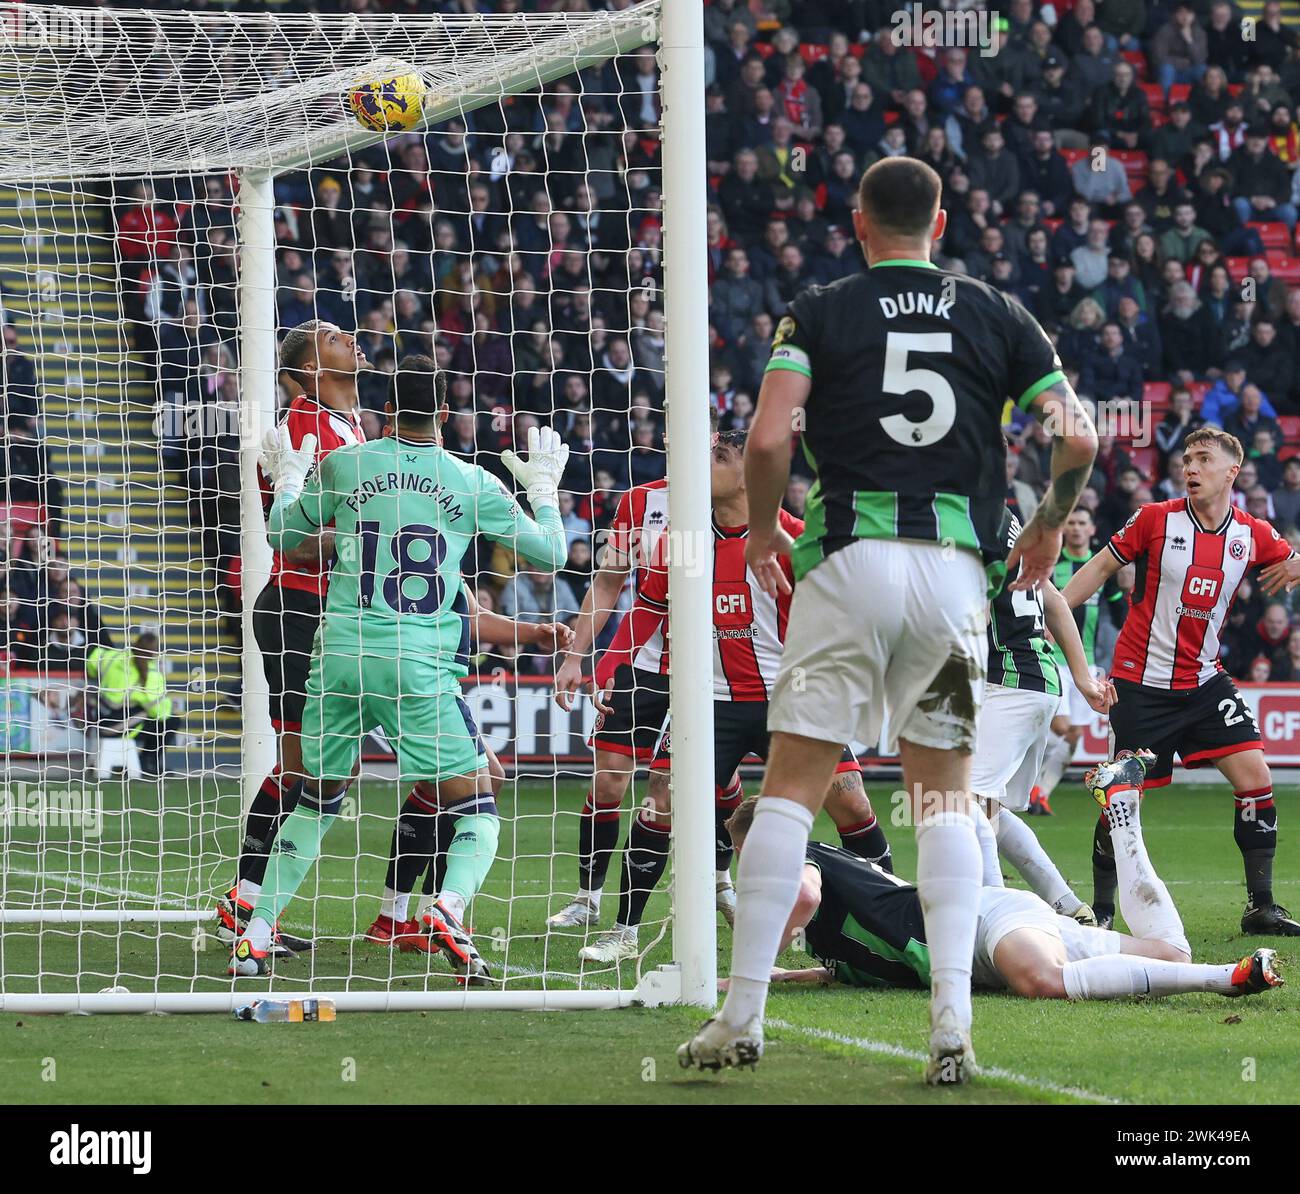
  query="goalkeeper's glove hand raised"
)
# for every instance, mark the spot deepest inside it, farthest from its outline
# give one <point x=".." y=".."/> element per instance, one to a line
<point x="286" y="465"/>
<point x="540" y="474"/>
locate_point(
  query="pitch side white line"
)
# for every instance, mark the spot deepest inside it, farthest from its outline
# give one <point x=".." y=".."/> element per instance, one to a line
<point x="888" y="1050"/>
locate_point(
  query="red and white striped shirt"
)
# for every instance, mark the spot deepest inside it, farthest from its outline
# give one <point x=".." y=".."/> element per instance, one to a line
<point x="332" y="429"/>
<point x="1187" y="579"/>
<point x="748" y="625"/>
<point x="637" y="535"/>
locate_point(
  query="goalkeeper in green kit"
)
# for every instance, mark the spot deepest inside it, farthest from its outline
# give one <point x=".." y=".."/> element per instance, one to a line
<point x="393" y="643"/>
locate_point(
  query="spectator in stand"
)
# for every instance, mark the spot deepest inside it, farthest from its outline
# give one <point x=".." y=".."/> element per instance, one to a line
<point x="1119" y="284"/>
<point x="1060" y="100"/>
<point x="994" y="169"/>
<point x="1216" y="212"/>
<point x="1176" y="138"/>
<point x="1095" y="65"/>
<point x="25" y="474"/>
<point x="1224" y="44"/>
<point x="1073" y="232"/>
<point x="1082" y="336"/>
<point x="1141" y="336"/>
<point x="1117" y="505"/>
<point x="1270" y="292"/>
<point x="531" y="595"/>
<point x="1120" y="112"/>
<point x="1289" y="669"/>
<point x="1268" y="363"/>
<point x="576" y="572"/>
<point x="949" y="86"/>
<point x="1180" y="50"/>
<point x="1184" y="238"/>
<point x="968" y="123"/>
<point x="863" y="121"/>
<point x="1286" y="497"/>
<point x="736" y="297"/>
<point x="17" y="378"/>
<point x="1248" y="418"/>
<point x="1021" y="499"/>
<point x="1222" y="398"/>
<point x="796" y="496"/>
<point x="647" y="461"/>
<point x="1259" y="504"/>
<point x="1229" y="134"/>
<point x="1284" y="135"/>
<point x="1174" y="484"/>
<point x="1161" y="196"/>
<point x="1109" y="372"/>
<point x="1261" y="185"/>
<point x="1263" y="451"/>
<point x="1057" y="302"/>
<point x="746" y="199"/>
<point x="1271" y="635"/>
<point x="800" y="103"/>
<point x="1092" y="258"/>
<point x="1191" y="340"/>
<point x="890" y="69"/>
<point x="1180" y="420"/>
<point x="1101" y="179"/>
<point x="1044" y="171"/>
<point x="1274" y="42"/>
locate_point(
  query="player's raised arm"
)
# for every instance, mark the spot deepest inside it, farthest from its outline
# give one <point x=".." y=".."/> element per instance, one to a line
<point x="301" y="507"/>
<point x="1074" y="448"/>
<point x="1099" y="693"/>
<point x="767" y="469"/>
<point x="486" y="626"/>
<point x="1084" y="583"/>
<point x="539" y="540"/>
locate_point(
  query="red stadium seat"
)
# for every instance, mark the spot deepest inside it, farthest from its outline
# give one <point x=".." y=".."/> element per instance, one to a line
<point x="1156" y="393"/>
<point x="1273" y="233"/>
<point x="1145" y="459"/>
<point x="811" y="52"/>
<point x="1287" y="452"/>
<point x="1179" y="93"/>
<point x="764" y="49"/>
<point x="1235" y="88"/>
<point x="1155" y="96"/>
<point x="1286" y="270"/>
<point x="1290" y="425"/>
<point x="1052" y="223"/>
<point x="1138" y="60"/>
<point x="1073" y="155"/>
<point x="1134" y="162"/>
<point x="1238" y="267"/>
<point x="1197" y="389"/>
<point x="1159" y="119"/>
<point x="891" y="117"/>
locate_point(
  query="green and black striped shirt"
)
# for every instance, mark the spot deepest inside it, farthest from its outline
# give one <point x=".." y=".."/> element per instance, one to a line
<point x="910" y="368"/>
<point x="1019" y="653"/>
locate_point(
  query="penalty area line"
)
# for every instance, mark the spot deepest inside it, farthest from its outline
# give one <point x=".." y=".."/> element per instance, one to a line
<point x="884" y="1049"/>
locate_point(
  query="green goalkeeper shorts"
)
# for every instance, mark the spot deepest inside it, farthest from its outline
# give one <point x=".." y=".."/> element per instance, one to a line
<point x="416" y="703"/>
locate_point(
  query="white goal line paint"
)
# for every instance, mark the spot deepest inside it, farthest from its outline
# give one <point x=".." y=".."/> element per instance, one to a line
<point x="885" y="1049"/>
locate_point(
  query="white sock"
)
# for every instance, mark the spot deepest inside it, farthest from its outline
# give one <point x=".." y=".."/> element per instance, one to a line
<point x="1025" y="852"/>
<point x="988" y="846"/>
<point x="1144" y="900"/>
<point x="258" y="934"/>
<point x="767" y="885"/>
<point x="388" y="904"/>
<point x="455" y="904"/>
<point x="423" y="904"/>
<point x="722" y="878"/>
<point x="1121" y="976"/>
<point x="1056" y="758"/>
<point x="948" y="871"/>
<point x="591" y="896"/>
<point x="248" y="890"/>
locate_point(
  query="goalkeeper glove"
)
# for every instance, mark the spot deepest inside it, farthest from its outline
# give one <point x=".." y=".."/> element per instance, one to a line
<point x="286" y="465"/>
<point x="540" y="474"/>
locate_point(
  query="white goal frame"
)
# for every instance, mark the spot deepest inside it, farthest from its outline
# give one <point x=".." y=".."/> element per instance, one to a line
<point x="677" y="26"/>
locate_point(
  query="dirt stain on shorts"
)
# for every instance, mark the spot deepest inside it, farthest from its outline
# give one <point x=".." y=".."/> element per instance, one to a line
<point x="951" y="698"/>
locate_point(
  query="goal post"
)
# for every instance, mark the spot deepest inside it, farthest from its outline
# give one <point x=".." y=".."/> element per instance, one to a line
<point x="112" y="97"/>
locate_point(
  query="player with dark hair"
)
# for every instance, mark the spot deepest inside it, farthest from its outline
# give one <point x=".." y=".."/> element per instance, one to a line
<point x="320" y="362"/>
<point x="898" y="377"/>
<point x="866" y="928"/>
<point x="393" y="642"/>
<point x="1191" y="555"/>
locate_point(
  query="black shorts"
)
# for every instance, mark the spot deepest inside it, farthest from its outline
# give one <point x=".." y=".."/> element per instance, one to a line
<point x="639" y="708"/>
<point x="1198" y="724"/>
<point x="285" y="622"/>
<point x="739" y="729"/>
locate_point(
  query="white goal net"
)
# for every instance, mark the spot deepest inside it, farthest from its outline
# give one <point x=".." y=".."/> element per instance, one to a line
<point x="178" y="193"/>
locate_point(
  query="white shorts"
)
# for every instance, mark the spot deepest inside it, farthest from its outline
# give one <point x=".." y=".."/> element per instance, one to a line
<point x="1005" y="909"/>
<point x="1013" y="729"/>
<point x="1072" y="704"/>
<point x="886" y="626"/>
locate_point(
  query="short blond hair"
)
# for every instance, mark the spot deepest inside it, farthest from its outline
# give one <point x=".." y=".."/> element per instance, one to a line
<point x="1230" y="444"/>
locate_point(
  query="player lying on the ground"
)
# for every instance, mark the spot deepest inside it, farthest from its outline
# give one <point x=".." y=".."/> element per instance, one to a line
<point x="1024" y="690"/>
<point x="748" y="633"/>
<point x="865" y="926"/>
<point x="405" y="512"/>
<point x="425" y="834"/>
<point x="1191" y="555"/>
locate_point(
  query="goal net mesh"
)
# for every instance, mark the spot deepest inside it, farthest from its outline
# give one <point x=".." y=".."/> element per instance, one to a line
<point x="516" y="238"/>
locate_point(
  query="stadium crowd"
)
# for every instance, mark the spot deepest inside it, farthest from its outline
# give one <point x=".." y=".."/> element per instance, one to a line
<point x="1128" y="170"/>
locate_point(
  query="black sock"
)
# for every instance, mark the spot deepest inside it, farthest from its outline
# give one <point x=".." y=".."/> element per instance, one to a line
<point x="444" y="831"/>
<point x="270" y="806"/>
<point x="1104" y="880"/>
<point x="867" y="840"/>
<point x="644" y="858"/>
<point x="412" y="845"/>
<point x="597" y="841"/>
<point x="725" y="802"/>
<point x="1255" y="828"/>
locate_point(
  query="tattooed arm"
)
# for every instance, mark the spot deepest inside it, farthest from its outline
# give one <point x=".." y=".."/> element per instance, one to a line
<point x="1074" y="448"/>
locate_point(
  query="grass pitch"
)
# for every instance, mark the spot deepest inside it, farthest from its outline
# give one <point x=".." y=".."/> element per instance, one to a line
<point x="826" y="1045"/>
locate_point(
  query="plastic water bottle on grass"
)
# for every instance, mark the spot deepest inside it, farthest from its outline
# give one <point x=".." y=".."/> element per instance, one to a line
<point x="286" y="1011"/>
